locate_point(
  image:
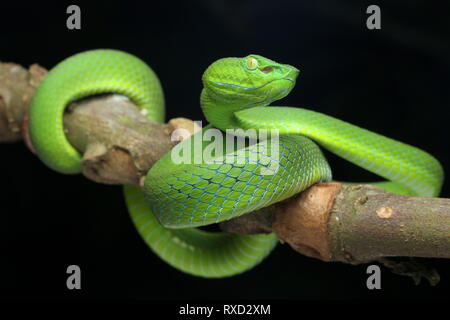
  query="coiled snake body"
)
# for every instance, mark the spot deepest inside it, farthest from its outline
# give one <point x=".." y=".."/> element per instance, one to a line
<point x="177" y="197"/>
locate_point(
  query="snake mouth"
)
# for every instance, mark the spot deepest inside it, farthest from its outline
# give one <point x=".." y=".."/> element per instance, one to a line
<point x="251" y="88"/>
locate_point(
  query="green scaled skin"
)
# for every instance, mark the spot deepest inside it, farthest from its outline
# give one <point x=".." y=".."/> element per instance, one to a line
<point x="178" y="197"/>
<point x="82" y="75"/>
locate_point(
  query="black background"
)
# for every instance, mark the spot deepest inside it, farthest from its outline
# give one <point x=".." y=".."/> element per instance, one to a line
<point x="393" y="81"/>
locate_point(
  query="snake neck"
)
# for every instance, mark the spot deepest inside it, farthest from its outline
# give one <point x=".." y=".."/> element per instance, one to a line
<point x="220" y="113"/>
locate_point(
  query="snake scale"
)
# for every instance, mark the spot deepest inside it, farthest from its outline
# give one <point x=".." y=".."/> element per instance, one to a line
<point x="178" y="197"/>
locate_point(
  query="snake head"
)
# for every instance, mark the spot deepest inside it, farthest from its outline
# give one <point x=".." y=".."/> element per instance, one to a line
<point x="249" y="81"/>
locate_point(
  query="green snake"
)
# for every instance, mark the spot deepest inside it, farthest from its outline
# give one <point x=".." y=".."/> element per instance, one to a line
<point x="178" y="197"/>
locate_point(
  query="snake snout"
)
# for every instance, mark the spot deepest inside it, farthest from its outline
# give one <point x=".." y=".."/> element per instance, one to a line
<point x="292" y="73"/>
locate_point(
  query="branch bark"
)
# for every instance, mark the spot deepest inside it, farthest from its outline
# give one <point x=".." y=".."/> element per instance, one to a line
<point x="354" y="223"/>
<point x="329" y="221"/>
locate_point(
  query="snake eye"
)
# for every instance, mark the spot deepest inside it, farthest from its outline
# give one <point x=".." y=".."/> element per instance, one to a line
<point x="252" y="63"/>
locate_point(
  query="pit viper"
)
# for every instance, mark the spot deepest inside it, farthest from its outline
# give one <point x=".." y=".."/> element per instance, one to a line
<point x="178" y="196"/>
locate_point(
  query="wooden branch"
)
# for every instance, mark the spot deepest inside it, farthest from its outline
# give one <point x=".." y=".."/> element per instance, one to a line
<point x="354" y="223"/>
<point x="329" y="221"/>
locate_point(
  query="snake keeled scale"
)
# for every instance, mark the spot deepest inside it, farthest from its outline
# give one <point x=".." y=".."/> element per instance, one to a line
<point x="178" y="197"/>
